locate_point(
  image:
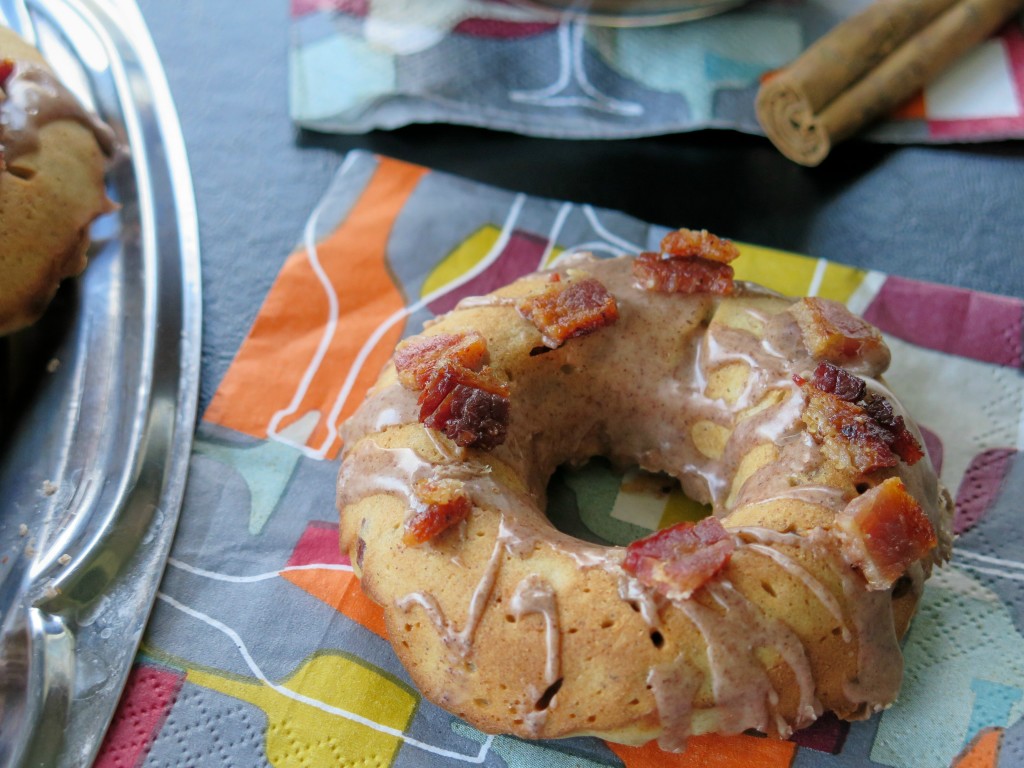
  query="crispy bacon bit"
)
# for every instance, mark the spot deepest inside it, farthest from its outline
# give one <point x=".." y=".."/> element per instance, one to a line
<point x="690" y="242"/>
<point x="682" y="274"/>
<point x="6" y="69"/>
<point x="458" y="394"/>
<point x="885" y="531"/>
<point x="678" y="561"/>
<point x="904" y="444"/>
<point x="445" y="503"/>
<point x="839" y="382"/>
<point x="847" y="434"/>
<point x="690" y="261"/>
<point x="565" y="310"/>
<point x="831" y="332"/>
<point x="417" y="358"/>
<point x="855" y="426"/>
<point x="470" y="408"/>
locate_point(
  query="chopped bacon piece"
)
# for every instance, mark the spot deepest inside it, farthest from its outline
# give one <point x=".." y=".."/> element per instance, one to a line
<point x="831" y="332"/>
<point x="885" y="531"/>
<point x="417" y="358"/>
<point x="565" y="310"/>
<point x="458" y="394"/>
<point x="468" y="407"/>
<point x="854" y="422"/>
<point x="6" y="69"/>
<point x="903" y="443"/>
<point x="682" y="274"/>
<point x="449" y="376"/>
<point x="678" y="561"/>
<point x="691" y="242"/>
<point x="839" y="382"/>
<point x="847" y="434"/>
<point x="445" y="503"/>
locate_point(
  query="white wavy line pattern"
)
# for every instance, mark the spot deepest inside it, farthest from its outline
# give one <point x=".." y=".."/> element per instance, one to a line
<point x="331" y="325"/>
<point x="250" y="662"/>
<point x="625" y="245"/>
<point x="1008" y="569"/>
<point x="818" y="277"/>
<point x="556" y="227"/>
<point x="611" y="244"/>
<point x="331" y="328"/>
<point x="993" y="572"/>
<point x="572" y="68"/>
<point x="250" y="579"/>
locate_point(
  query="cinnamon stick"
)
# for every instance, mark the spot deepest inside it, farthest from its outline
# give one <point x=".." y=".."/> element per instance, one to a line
<point x="868" y="66"/>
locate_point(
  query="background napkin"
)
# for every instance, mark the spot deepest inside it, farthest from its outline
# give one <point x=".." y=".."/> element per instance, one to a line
<point x="356" y="65"/>
<point x="262" y="649"/>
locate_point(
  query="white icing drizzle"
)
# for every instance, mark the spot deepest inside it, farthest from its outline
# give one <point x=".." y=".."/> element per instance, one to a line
<point x="381" y="471"/>
<point x="446" y="448"/>
<point x="880" y="660"/>
<point x="674" y="686"/>
<point x="460" y="641"/>
<point x="791" y="566"/>
<point x="481" y="302"/>
<point x="879" y="657"/>
<point x="35" y="97"/>
<point x="646" y="600"/>
<point x="536" y="595"/>
<point x="744" y="696"/>
<point x="821" y="495"/>
<point x="826" y="598"/>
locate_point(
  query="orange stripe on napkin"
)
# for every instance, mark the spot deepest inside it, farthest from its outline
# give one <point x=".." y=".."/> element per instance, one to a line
<point x="276" y="373"/>
<point x="982" y="752"/>
<point x="339" y="588"/>
<point x="341" y="591"/>
<point x="711" y="751"/>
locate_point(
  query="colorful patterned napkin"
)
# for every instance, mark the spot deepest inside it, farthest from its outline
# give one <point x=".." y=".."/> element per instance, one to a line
<point x="262" y="650"/>
<point x="356" y="65"/>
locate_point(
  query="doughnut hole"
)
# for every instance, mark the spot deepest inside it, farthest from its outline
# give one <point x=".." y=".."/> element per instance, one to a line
<point x="595" y="503"/>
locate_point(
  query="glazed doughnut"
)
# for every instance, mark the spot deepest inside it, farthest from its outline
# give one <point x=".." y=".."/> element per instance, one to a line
<point x="788" y="601"/>
<point x="52" y="160"/>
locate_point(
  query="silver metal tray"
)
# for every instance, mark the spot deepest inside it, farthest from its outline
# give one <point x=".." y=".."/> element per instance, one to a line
<point x="97" y="406"/>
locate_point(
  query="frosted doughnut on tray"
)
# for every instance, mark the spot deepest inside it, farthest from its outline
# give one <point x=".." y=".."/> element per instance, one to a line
<point x="53" y="155"/>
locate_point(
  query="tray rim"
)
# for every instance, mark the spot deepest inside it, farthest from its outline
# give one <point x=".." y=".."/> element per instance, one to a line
<point x="123" y="542"/>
